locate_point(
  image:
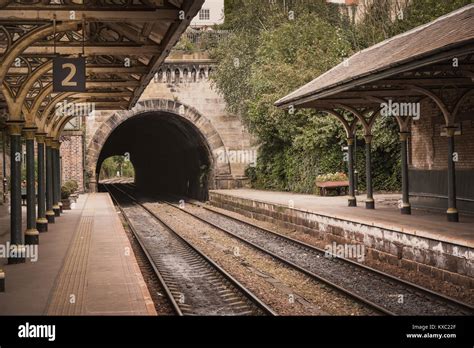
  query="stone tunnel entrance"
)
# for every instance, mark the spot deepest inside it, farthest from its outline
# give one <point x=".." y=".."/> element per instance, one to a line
<point x="168" y="153"/>
<point x="173" y="148"/>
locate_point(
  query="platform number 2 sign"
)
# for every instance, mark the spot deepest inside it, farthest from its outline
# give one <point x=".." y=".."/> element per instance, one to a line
<point x="69" y="74"/>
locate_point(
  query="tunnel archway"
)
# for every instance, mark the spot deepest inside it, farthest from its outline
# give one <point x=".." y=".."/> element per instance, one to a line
<point x="172" y="148"/>
<point x="168" y="154"/>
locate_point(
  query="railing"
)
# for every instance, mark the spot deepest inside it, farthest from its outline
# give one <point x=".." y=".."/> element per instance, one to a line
<point x="183" y="74"/>
<point x="200" y="40"/>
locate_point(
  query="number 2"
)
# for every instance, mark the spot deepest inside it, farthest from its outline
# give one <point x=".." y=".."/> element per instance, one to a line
<point x="67" y="81"/>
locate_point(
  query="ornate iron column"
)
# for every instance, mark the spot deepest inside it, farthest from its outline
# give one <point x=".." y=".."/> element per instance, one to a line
<point x="350" y="152"/>
<point x="452" y="212"/>
<point x="405" y="207"/>
<point x="56" y="196"/>
<point x="31" y="234"/>
<point x="369" y="203"/>
<point x="59" y="172"/>
<point x="17" y="240"/>
<point x="41" y="222"/>
<point x="49" y="181"/>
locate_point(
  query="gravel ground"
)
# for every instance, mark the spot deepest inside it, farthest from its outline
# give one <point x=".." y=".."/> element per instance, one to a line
<point x="449" y="289"/>
<point x="388" y="293"/>
<point x="287" y="291"/>
<point x="162" y="305"/>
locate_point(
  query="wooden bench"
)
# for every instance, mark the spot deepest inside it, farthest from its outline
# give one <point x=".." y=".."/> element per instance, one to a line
<point x="324" y="186"/>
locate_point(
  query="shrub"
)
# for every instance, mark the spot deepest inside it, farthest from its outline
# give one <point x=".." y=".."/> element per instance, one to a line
<point x="65" y="192"/>
<point x="68" y="188"/>
<point x="73" y="185"/>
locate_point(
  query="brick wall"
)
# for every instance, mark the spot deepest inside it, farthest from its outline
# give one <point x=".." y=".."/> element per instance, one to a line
<point x="429" y="150"/>
<point x="72" y="156"/>
<point x="429" y="159"/>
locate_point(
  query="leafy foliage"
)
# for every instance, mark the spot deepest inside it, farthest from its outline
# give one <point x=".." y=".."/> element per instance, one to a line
<point x="115" y="164"/>
<point x="268" y="55"/>
<point x="68" y="188"/>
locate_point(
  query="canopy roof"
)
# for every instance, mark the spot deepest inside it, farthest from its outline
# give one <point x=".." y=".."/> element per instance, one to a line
<point x="124" y="42"/>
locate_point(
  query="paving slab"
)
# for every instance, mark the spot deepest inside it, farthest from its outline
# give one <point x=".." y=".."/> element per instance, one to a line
<point x="86" y="266"/>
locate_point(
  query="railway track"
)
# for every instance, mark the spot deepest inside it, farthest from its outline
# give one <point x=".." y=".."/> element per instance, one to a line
<point x="376" y="289"/>
<point x="193" y="283"/>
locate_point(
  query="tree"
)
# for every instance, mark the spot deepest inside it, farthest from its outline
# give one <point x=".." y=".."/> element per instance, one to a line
<point x="261" y="62"/>
<point x="278" y="46"/>
<point x="115" y="164"/>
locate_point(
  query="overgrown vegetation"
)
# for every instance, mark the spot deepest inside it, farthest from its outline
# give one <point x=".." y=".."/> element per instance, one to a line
<point x="277" y="46"/>
<point x="116" y="166"/>
<point x="193" y="41"/>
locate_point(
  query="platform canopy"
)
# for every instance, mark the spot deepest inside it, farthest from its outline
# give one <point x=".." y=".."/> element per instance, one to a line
<point x="124" y="43"/>
<point x="434" y="61"/>
<point x="438" y="55"/>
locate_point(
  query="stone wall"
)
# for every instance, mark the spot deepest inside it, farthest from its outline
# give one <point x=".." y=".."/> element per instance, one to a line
<point x="438" y="259"/>
<point x="184" y="79"/>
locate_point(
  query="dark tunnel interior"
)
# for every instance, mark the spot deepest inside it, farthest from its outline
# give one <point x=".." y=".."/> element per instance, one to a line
<point x="168" y="153"/>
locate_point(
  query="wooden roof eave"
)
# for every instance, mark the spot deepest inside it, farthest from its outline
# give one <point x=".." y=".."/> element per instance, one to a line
<point x="138" y="78"/>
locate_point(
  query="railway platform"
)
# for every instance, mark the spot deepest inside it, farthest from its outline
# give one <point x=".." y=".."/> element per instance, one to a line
<point x="422" y="242"/>
<point x="85" y="266"/>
